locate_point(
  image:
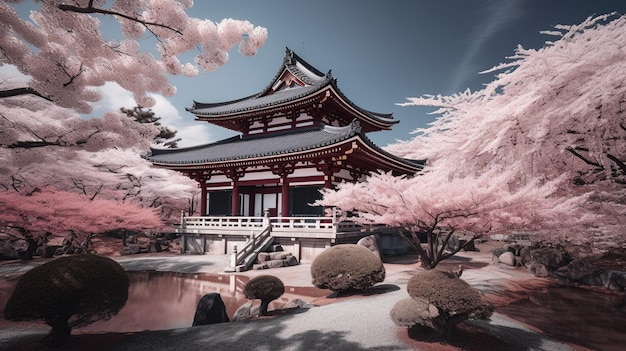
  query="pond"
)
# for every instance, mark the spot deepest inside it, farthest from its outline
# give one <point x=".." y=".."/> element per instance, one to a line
<point x="593" y="319"/>
<point x="168" y="300"/>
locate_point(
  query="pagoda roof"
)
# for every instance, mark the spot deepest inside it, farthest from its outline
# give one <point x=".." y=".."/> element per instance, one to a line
<point x="295" y="82"/>
<point x="264" y="149"/>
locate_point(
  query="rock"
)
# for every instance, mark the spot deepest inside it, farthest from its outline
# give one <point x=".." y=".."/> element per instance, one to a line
<point x="582" y="272"/>
<point x="263" y="256"/>
<point x="154" y="246"/>
<point x="616" y="280"/>
<point x="524" y="253"/>
<point x="538" y="270"/>
<point x="497" y="253"/>
<point x="259" y="266"/>
<point x="465" y="239"/>
<point x="551" y="258"/>
<point x="245" y="312"/>
<point x="276" y="248"/>
<point x="211" y="310"/>
<point x="292" y="261"/>
<point x="297" y="303"/>
<point x="507" y="258"/>
<point x="370" y="243"/>
<point x="280" y="255"/>
<point x="276" y="263"/>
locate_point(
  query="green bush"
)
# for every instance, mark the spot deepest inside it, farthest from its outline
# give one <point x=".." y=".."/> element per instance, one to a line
<point x="347" y="267"/>
<point x="439" y="300"/>
<point x="266" y="288"/>
<point x="69" y="292"/>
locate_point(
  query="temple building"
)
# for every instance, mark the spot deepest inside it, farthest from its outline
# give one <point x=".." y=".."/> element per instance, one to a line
<point x="297" y="135"/>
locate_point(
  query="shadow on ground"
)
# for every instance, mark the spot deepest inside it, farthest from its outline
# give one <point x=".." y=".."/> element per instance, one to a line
<point x="264" y="334"/>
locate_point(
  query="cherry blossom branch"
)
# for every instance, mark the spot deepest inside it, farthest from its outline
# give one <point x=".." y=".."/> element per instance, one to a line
<point x="617" y="161"/>
<point x="583" y="158"/>
<point x="91" y="9"/>
<point x="22" y="91"/>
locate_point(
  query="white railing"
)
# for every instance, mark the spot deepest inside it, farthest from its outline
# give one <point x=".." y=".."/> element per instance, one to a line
<point x="326" y="224"/>
<point x="222" y="222"/>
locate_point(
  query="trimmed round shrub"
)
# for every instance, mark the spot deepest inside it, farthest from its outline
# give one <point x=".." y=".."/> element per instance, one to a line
<point x="266" y="288"/>
<point x="347" y="267"/>
<point x="413" y="311"/>
<point x="441" y="301"/>
<point x="69" y="292"/>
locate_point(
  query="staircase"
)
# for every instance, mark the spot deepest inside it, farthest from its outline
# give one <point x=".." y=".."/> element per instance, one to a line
<point x="242" y="259"/>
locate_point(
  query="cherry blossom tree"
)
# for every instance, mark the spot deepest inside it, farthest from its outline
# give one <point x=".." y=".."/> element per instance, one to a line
<point x="541" y="149"/>
<point x="65" y="54"/>
<point x="49" y="212"/>
<point x="45" y="146"/>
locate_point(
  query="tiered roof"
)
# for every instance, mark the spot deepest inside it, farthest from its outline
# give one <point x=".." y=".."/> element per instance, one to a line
<point x="265" y="149"/>
<point x="296" y="84"/>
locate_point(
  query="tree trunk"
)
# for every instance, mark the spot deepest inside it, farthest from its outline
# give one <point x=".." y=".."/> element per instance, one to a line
<point x="60" y="331"/>
<point x="263" y="307"/>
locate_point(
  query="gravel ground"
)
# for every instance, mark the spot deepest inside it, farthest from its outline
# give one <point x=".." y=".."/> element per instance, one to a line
<point x="348" y="323"/>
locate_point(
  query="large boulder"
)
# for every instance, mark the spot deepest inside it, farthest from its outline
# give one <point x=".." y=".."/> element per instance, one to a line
<point x="370" y="243"/>
<point x="582" y="272"/>
<point x="549" y="257"/>
<point x="211" y="310"/>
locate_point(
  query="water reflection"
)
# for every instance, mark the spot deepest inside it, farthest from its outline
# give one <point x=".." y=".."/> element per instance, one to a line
<point x="168" y="300"/>
<point x="596" y="320"/>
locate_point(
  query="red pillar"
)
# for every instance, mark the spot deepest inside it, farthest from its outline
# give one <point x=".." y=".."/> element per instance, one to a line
<point x="235" y="201"/>
<point x="328" y="179"/>
<point x="285" y="197"/>
<point x="203" y="198"/>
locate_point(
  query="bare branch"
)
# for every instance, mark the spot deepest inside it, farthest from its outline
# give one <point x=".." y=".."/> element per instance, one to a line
<point x="619" y="162"/>
<point x="22" y="91"/>
<point x="90" y="9"/>
<point x="587" y="161"/>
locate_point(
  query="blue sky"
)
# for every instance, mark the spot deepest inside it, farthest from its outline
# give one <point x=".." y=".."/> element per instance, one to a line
<point x="380" y="51"/>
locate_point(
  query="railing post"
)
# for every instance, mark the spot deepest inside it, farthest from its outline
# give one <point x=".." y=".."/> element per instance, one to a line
<point x="182" y="219"/>
<point x="233" y="257"/>
<point x="266" y="217"/>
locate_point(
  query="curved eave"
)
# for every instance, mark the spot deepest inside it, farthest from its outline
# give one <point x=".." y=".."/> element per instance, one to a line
<point x="293" y="156"/>
<point x="382" y="121"/>
<point x="343" y="145"/>
<point x="391" y="162"/>
<point x="261" y="108"/>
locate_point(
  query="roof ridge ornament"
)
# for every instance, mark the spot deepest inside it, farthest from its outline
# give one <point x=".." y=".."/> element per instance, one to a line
<point x="355" y="126"/>
<point x="289" y="57"/>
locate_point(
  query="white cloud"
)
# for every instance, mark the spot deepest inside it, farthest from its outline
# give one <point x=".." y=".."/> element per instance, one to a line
<point x="11" y="75"/>
<point x="195" y="134"/>
<point x="497" y="15"/>
<point x="114" y="97"/>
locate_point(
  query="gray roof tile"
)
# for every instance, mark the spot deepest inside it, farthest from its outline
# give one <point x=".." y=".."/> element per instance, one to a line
<point x="238" y="148"/>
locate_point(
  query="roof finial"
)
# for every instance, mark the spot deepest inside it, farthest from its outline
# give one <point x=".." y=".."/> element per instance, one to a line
<point x="355" y="126"/>
<point x="289" y="56"/>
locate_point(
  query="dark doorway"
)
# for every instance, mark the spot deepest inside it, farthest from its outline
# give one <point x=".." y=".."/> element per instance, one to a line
<point x="301" y="197"/>
<point x="220" y="203"/>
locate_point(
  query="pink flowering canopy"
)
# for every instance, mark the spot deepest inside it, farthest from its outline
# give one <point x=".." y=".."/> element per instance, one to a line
<point x="542" y="148"/>
<point x="66" y="56"/>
